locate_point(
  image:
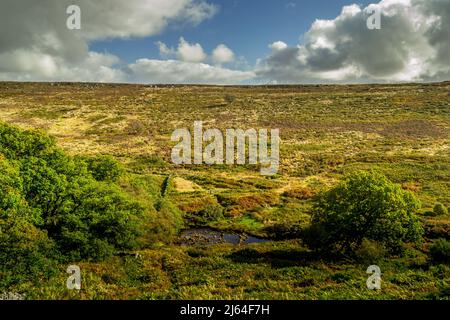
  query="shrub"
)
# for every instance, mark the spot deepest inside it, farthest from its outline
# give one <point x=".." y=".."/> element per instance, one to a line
<point x="104" y="168"/>
<point x="429" y="214"/>
<point x="10" y="188"/>
<point x="300" y="194"/>
<point x="165" y="187"/>
<point x="440" y="251"/>
<point x="365" y="205"/>
<point x="439" y="209"/>
<point x="229" y="98"/>
<point x="26" y="253"/>
<point x="282" y="231"/>
<point x="370" y="252"/>
<point x="341" y="277"/>
<point x="164" y="224"/>
<point x="102" y="221"/>
<point x="16" y="144"/>
<point x="208" y="214"/>
<point x="73" y="201"/>
<point x="135" y="127"/>
<point x="435" y="229"/>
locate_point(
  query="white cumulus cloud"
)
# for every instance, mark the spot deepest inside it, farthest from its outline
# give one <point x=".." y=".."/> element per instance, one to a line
<point x="413" y="44"/>
<point x="190" y="52"/>
<point x="35" y="43"/>
<point x="181" y="72"/>
<point x="222" y="54"/>
<point x="278" y="45"/>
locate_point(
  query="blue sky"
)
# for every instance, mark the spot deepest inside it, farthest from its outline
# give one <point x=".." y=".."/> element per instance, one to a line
<point x="226" y="41"/>
<point x="246" y="26"/>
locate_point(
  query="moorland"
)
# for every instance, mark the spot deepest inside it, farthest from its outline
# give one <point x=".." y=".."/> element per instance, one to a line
<point x="90" y="165"/>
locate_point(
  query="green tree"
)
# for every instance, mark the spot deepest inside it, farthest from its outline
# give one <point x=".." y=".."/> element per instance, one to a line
<point x="26" y="253"/>
<point x="365" y="205"/>
<point x="74" y="201"/>
<point x="104" y="168"/>
<point x="10" y="187"/>
<point x="101" y="220"/>
<point x="17" y="144"/>
<point x="24" y="249"/>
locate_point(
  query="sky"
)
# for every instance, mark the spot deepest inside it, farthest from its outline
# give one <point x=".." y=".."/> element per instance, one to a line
<point x="225" y="41"/>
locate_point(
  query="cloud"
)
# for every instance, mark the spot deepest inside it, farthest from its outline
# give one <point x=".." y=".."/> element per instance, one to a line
<point x="193" y="52"/>
<point x="278" y="46"/>
<point x="187" y="66"/>
<point x="25" y="65"/>
<point x="35" y="43"/>
<point x="190" y="52"/>
<point x="181" y="72"/>
<point x="164" y="50"/>
<point x="222" y="54"/>
<point x="413" y="44"/>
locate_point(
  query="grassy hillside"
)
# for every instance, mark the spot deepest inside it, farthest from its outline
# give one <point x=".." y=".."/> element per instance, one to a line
<point x="327" y="132"/>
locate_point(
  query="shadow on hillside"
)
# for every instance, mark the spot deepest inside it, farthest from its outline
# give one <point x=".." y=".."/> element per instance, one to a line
<point x="214" y="106"/>
<point x="276" y="258"/>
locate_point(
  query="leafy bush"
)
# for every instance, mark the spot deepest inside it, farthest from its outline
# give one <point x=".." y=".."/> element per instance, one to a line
<point x="102" y="221"/>
<point x="439" y="209"/>
<point x="365" y="205"/>
<point x="435" y="229"/>
<point x="65" y="197"/>
<point x="440" y="251"/>
<point x="206" y="215"/>
<point x="429" y="214"/>
<point x="282" y="231"/>
<point x="229" y="98"/>
<point x="24" y="249"/>
<point x="165" y="187"/>
<point x="26" y="253"/>
<point x="16" y="144"/>
<point x="104" y="168"/>
<point x="165" y="224"/>
<point x="370" y="252"/>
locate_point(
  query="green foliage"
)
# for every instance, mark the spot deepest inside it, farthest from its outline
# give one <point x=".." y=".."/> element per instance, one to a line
<point x="17" y="144"/>
<point x="165" y="223"/>
<point x="102" y="220"/>
<point x="283" y="231"/>
<point x="104" y="168"/>
<point x="370" y="252"/>
<point x="365" y="205"/>
<point x="165" y="187"/>
<point x="210" y="213"/>
<point x="25" y="252"/>
<point x="440" y="210"/>
<point x="11" y="199"/>
<point x="440" y="251"/>
<point x="23" y="247"/>
<point x="65" y="197"/>
<point x="319" y="125"/>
